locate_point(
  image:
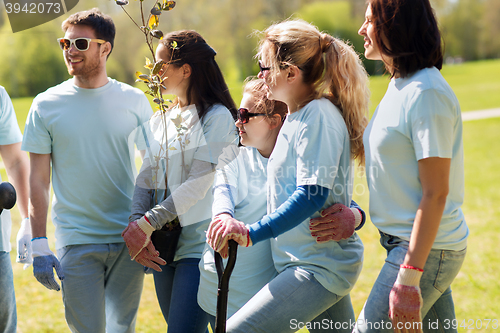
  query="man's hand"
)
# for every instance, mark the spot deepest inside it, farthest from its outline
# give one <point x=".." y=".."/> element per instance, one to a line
<point x="137" y="236"/>
<point x="150" y="257"/>
<point x="405" y="301"/>
<point x="44" y="262"/>
<point x="337" y="222"/>
<point x="223" y="228"/>
<point x="24" y="244"/>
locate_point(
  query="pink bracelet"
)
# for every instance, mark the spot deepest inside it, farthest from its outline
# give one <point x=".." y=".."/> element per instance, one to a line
<point x="411" y="267"/>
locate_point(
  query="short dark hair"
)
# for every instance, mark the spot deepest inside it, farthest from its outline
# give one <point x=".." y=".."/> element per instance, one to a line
<point x="102" y="24"/>
<point x="206" y="85"/>
<point x="411" y="36"/>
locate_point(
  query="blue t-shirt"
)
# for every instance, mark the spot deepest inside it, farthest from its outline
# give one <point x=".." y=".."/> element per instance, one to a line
<point x="242" y="171"/>
<point x="313" y="148"/>
<point x="9" y="134"/>
<point x="86" y="132"/>
<point x="419" y="117"/>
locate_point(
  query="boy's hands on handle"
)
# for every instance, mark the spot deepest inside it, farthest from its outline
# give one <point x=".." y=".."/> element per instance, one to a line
<point x="44" y="262"/>
<point x="405" y="301"/>
<point x="137" y="236"/>
<point x="23" y="238"/>
<point x="223" y="228"/>
<point x="337" y="222"/>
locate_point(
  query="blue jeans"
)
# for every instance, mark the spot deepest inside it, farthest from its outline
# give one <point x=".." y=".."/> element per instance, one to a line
<point x="101" y="288"/>
<point x="8" y="315"/>
<point x="440" y="270"/>
<point x="339" y="318"/>
<point x="292" y="300"/>
<point x="177" y="289"/>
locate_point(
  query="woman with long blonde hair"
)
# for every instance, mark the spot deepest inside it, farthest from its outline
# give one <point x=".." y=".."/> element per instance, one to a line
<point x="325" y="87"/>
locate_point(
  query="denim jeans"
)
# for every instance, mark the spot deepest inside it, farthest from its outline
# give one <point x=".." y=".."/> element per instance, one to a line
<point x="440" y="270"/>
<point x="101" y="288"/>
<point x="8" y="315"/>
<point x="292" y="300"/>
<point x="177" y="289"/>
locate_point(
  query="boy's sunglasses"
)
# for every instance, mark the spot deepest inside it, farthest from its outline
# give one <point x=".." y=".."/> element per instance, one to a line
<point x="262" y="69"/>
<point x="81" y="44"/>
<point x="244" y="115"/>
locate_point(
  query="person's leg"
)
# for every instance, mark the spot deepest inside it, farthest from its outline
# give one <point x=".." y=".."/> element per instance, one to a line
<point x="8" y="314"/>
<point x="339" y="318"/>
<point x="163" y="287"/>
<point x="124" y="279"/>
<point x="211" y="321"/>
<point x="185" y="315"/>
<point x="286" y="304"/>
<point x="83" y="286"/>
<point x="441" y="316"/>
<point x="439" y="271"/>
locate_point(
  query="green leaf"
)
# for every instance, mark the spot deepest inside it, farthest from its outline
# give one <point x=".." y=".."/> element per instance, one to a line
<point x="157" y="67"/>
<point x="142" y="77"/>
<point x="157" y="34"/>
<point x="155" y="11"/>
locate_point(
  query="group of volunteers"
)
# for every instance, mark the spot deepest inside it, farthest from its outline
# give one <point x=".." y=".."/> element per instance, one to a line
<point x="275" y="175"/>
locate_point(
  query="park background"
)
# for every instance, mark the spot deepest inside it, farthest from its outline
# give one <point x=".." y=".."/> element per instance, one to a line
<point x="31" y="62"/>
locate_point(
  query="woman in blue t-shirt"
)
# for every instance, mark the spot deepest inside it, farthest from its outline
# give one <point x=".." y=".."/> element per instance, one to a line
<point x="173" y="186"/>
<point x="325" y="88"/>
<point x="240" y="192"/>
<point x="415" y="174"/>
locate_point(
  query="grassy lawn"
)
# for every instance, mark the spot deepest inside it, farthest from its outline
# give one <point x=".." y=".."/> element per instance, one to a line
<point x="476" y="289"/>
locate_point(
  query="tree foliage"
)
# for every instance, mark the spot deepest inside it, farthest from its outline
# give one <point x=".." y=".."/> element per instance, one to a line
<point x="32" y="61"/>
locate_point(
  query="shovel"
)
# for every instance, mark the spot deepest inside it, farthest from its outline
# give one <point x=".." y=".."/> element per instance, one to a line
<point x="7" y="196"/>
<point x="224" y="275"/>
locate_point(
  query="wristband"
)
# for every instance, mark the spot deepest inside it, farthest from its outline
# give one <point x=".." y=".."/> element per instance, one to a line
<point x="38" y="238"/>
<point x="409" y="276"/>
<point x="357" y="217"/>
<point x="411" y="267"/>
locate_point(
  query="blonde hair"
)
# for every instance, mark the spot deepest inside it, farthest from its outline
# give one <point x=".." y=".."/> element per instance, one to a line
<point x="330" y="65"/>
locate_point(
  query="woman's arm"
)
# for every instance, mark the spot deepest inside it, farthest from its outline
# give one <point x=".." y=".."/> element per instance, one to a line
<point x="199" y="181"/>
<point x="434" y="176"/>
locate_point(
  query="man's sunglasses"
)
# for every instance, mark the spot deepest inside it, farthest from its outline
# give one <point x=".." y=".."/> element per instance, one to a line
<point x="81" y="44"/>
<point x="244" y="115"/>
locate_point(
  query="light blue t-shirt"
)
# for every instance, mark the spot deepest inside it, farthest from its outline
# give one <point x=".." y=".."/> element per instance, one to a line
<point x="86" y="131"/>
<point x="202" y="140"/>
<point x="9" y="134"/>
<point x="419" y="117"/>
<point x="313" y="148"/>
<point x="243" y="170"/>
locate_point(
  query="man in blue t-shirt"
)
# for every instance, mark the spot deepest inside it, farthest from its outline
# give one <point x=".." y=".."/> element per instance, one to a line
<point x="77" y="132"/>
<point x="17" y="168"/>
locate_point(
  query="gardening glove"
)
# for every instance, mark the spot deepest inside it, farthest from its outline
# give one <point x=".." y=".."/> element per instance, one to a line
<point x="44" y="261"/>
<point x="24" y="243"/>
<point x="405" y="300"/>
<point x="223" y="228"/>
<point x="150" y="258"/>
<point x="137" y="235"/>
<point x="337" y="222"/>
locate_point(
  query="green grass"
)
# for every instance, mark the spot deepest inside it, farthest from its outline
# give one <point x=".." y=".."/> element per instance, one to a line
<point x="476" y="289"/>
<point x="476" y="84"/>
